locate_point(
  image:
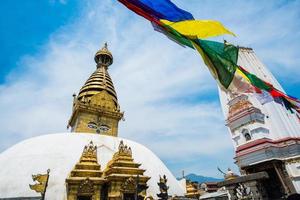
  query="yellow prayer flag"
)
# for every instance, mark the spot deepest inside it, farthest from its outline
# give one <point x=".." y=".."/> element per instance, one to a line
<point x="242" y="75"/>
<point x="200" y="29"/>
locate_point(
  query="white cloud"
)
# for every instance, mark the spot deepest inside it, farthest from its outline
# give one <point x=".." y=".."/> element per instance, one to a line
<point x="155" y="80"/>
<point x="271" y="28"/>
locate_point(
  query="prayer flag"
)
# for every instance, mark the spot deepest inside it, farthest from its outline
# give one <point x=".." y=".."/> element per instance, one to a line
<point x="198" y="29"/>
<point x="220" y="58"/>
<point x="174" y="22"/>
<point x="263" y="97"/>
<point x="165" y="9"/>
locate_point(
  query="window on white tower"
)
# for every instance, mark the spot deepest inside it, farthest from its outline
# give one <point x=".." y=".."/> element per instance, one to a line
<point x="246" y="134"/>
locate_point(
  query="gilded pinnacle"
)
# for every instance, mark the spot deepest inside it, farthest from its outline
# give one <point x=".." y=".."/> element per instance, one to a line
<point x="103" y="57"/>
<point x="96" y="108"/>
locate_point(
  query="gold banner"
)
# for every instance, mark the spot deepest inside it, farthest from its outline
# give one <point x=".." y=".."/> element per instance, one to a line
<point x="40" y="188"/>
<point x="41" y="178"/>
<point x="41" y="182"/>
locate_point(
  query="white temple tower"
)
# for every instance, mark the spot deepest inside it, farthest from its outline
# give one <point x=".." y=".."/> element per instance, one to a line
<point x="265" y="135"/>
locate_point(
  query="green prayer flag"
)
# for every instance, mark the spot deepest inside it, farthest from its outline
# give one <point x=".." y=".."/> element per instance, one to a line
<point x="255" y="81"/>
<point x="223" y="58"/>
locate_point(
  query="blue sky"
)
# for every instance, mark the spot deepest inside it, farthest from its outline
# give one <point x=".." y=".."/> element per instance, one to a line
<point x="26" y="26"/>
<point x="170" y="100"/>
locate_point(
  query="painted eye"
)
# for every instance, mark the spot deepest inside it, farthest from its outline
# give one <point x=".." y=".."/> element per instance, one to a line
<point x="92" y="125"/>
<point x="104" y="128"/>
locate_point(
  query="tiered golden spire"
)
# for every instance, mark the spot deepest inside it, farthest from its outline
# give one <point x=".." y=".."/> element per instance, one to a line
<point x="100" y="79"/>
<point x="96" y="108"/>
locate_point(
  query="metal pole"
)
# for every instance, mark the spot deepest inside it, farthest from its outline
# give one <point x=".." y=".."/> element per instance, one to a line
<point x="46" y="185"/>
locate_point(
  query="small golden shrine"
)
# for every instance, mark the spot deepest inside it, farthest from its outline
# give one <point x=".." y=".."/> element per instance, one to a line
<point x="124" y="175"/>
<point x="85" y="180"/>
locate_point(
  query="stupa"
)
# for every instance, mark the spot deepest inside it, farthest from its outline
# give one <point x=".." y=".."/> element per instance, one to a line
<point x="91" y="162"/>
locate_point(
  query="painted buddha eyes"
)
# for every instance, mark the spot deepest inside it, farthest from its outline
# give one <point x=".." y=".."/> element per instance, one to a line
<point x="99" y="128"/>
<point x="92" y="125"/>
<point x="104" y="128"/>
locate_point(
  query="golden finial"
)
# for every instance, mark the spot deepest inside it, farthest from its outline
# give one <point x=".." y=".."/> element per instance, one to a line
<point x="104" y="57"/>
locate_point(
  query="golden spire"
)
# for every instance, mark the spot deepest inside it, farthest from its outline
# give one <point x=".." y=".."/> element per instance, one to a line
<point x="96" y="108"/>
<point x="100" y="79"/>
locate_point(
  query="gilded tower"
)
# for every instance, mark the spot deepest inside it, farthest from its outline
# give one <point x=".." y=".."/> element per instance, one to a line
<point x="96" y="108"/>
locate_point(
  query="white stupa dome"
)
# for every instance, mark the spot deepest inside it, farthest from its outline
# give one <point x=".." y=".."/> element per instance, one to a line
<point x="59" y="153"/>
